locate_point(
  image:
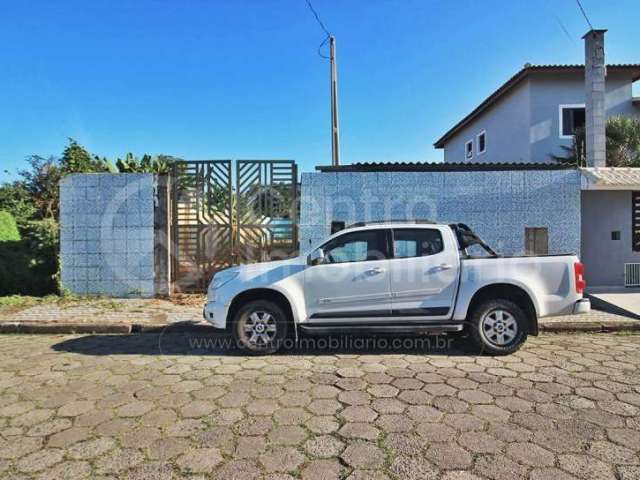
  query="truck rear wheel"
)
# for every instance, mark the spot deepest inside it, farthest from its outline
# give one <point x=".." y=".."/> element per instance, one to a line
<point x="498" y="327"/>
<point x="260" y="327"/>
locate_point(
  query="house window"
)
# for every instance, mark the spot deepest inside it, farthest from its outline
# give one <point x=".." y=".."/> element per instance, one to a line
<point x="536" y="240"/>
<point x="482" y="142"/>
<point x="615" y="235"/>
<point x="468" y="150"/>
<point x="571" y="118"/>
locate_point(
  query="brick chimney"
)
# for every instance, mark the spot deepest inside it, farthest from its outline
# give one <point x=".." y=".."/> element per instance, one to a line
<point x="594" y="84"/>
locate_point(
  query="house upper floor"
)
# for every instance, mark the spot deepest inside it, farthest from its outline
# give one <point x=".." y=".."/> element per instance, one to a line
<point x="533" y="115"/>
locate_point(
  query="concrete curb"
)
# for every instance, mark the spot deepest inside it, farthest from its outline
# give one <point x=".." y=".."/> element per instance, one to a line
<point x="53" y="328"/>
<point x="180" y="327"/>
<point x="589" y="327"/>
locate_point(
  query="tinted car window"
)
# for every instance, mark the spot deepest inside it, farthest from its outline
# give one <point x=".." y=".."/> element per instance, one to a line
<point x="416" y="242"/>
<point x="356" y="247"/>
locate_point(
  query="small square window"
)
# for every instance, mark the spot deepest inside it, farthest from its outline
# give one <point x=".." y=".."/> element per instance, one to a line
<point x="536" y="240"/>
<point x="482" y="142"/>
<point x="468" y="150"/>
<point x="615" y="235"/>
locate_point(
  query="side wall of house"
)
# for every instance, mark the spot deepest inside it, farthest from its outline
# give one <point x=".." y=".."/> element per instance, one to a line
<point x="498" y="205"/>
<point x="507" y="131"/>
<point x="604" y="212"/>
<point x="107" y="234"/>
<point x="549" y="91"/>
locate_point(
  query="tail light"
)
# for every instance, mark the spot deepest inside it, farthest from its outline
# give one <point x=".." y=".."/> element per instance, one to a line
<point x="578" y="269"/>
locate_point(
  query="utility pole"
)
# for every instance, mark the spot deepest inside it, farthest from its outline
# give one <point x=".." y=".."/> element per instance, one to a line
<point x="335" y="127"/>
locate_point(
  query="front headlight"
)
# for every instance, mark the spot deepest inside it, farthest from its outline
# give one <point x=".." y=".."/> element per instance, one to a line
<point x="222" y="278"/>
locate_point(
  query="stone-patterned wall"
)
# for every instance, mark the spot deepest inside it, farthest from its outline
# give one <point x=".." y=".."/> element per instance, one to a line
<point x="107" y="234"/>
<point x="496" y="204"/>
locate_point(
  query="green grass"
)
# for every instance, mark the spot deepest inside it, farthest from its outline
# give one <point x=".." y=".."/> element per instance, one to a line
<point x="8" y="228"/>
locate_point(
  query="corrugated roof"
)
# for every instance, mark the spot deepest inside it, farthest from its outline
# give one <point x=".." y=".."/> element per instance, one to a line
<point x="513" y="81"/>
<point x="612" y="176"/>
<point x="439" y="167"/>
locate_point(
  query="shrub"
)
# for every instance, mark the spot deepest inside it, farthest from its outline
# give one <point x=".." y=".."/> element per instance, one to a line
<point x="8" y="228"/>
<point x="29" y="266"/>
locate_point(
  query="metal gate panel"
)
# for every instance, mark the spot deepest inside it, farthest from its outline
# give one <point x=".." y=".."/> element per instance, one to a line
<point x="266" y="210"/>
<point x="202" y="222"/>
<point x="215" y="226"/>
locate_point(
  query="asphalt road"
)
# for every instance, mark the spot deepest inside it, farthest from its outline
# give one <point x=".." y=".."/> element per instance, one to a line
<point x="172" y="406"/>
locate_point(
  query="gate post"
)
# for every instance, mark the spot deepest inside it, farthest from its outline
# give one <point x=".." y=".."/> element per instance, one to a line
<point x="161" y="240"/>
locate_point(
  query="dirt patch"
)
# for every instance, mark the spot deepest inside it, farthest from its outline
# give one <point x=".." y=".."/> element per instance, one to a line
<point x="188" y="300"/>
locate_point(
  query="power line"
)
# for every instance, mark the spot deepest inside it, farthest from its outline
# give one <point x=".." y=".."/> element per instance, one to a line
<point x="584" y="14"/>
<point x="315" y="14"/>
<point x="564" y="29"/>
<point x="324" y="42"/>
<point x="559" y="21"/>
<point x="324" y="29"/>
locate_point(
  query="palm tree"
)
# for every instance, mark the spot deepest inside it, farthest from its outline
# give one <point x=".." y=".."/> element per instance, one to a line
<point x="623" y="144"/>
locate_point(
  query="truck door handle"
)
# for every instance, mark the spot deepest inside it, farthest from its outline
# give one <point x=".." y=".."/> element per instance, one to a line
<point x="375" y="271"/>
<point x="445" y="266"/>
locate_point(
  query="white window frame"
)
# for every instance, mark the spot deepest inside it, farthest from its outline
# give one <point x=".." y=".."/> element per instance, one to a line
<point x="560" y="109"/>
<point x="465" y="150"/>
<point x="480" y="152"/>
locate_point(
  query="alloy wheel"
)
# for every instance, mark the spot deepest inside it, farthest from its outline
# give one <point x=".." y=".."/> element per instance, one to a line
<point x="259" y="329"/>
<point x="499" y="327"/>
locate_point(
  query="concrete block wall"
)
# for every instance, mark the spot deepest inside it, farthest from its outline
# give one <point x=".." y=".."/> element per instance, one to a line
<point x="107" y="234"/>
<point x="496" y="204"/>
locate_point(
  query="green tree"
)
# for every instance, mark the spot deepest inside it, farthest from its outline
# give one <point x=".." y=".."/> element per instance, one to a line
<point x="77" y="159"/>
<point x="15" y="199"/>
<point x="147" y="164"/>
<point x="623" y="144"/>
<point x="41" y="183"/>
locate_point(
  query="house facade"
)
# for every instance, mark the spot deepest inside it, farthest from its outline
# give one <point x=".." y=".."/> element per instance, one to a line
<point x="501" y="178"/>
<point x="531" y="117"/>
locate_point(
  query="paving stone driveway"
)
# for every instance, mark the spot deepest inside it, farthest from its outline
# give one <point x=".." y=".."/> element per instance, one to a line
<point x="113" y="407"/>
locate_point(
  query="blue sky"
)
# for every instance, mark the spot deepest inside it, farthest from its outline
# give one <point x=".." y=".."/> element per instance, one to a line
<point x="242" y="79"/>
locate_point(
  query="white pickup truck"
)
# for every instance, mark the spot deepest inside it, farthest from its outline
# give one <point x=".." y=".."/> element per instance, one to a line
<point x="399" y="277"/>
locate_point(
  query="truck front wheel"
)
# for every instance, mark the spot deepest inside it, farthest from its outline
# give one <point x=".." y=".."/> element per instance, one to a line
<point x="260" y="327"/>
<point x="498" y="326"/>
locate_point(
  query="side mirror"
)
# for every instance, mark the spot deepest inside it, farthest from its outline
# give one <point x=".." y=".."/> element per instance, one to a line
<point x="316" y="257"/>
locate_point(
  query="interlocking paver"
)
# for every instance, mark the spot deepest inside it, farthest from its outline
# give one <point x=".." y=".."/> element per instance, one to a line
<point x="480" y="442"/>
<point x="413" y="468"/>
<point x="565" y="406"/>
<point x="449" y="456"/>
<point x="322" y="470"/>
<point x="363" y="455"/>
<point x="365" y="431"/>
<point x="324" y="446"/>
<point x="404" y="443"/>
<point x="281" y="459"/>
<point x="200" y="460"/>
<point x="287" y="435"/>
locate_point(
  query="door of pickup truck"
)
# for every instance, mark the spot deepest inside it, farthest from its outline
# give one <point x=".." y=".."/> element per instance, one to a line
<point x="424" y="271"/>
<point x="352" y="284"/>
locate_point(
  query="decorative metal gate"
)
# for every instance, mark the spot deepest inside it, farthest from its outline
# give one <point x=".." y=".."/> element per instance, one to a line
<point x="266" y="209"/>
<point x="214" y="227"/>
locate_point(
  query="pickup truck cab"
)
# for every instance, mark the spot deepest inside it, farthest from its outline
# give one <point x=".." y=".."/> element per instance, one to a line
<point x="402" y="277"/>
